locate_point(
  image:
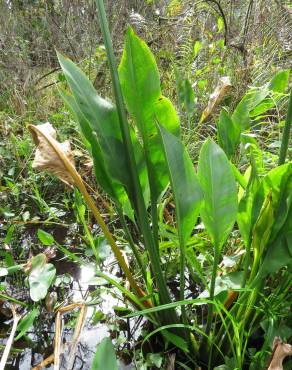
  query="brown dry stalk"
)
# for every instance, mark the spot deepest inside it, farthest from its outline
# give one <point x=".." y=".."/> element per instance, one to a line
<point x="9" y="343"/>
<point x="280" y="351"/>
<point x="76" y="180"/>
<point x="47" y="361"/>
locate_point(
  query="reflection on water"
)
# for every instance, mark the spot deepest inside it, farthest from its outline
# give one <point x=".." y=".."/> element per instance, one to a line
<point x="91" y="334"/>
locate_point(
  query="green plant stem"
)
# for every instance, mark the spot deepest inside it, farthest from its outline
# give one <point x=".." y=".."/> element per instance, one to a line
<point x="136" y="187"/>
<point x="238" y="176"/>
<point x="212" y="290"/>
<point x="182" y="280"/>
<point x="246" y="265"/>
<point x="286" y="133"/>
<point x="131" y="242"/>
<point x="14" y="300"/>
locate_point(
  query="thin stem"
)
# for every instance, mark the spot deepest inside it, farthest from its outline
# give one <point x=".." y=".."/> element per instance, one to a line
<point x="182" y="280"/>
<point x="136" y="187"/>
<point x="212" y="290"/>
<point x="131" y="243"/>
<point x="9" y="343"/>
<point x="91" y="204"/>
<point x="286" y="133"/>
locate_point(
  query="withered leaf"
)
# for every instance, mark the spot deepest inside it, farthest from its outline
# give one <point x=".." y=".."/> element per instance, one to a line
<point x="46" y="155"/>
<point x="222" y="89"/>
<point x="280" y="351"/>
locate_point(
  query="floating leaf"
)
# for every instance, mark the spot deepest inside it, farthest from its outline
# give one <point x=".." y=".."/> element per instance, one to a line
<point x="46" y="157"/>
<point x="40" y="277"/>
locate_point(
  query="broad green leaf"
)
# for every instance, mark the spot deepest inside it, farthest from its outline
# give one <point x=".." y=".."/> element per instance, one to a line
<point x="40" y="277"/>
<point x="112" y="187"/>
<point x="185" y="186"/>
<point x="102" y="118"/>
<point x="279" y="252"/>
<point x="253" y="151"/>
<point x="45" y="238"/>
<point x="262" y="229"/>
<point x="241" y="114"/>
<point x="105" y="357"/>
<point x="246" y="208"/>
<point x="255" y="103"/>
<point x="176" y="340"/>
<point x="279" y="82"/>
<point x="26" y="322"/>
<point x="224" y="283"/>
<point x="140" y="84"/>
<point x="228" y="134"/>
<point x="279" y="181"/>
<point x="263" y="107"/>
<point x="216" y="178"/>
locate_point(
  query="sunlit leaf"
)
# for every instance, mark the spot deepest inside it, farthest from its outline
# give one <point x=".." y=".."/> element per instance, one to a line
<point x="219" y="207"/>
<point x="40" y="278"/>
<point x="184" y="183"/>
<point x="45" y="238"/>
<point x="140" y="83"/>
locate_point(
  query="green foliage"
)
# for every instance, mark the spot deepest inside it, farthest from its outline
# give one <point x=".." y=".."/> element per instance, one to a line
<point x="40" y="277"/>
<point x="105" y="358"/>
<point x="160" y="158"/>
<point x="27" y="322"/>
<point x="217" y="181"/>
<point x="140" y="84"/>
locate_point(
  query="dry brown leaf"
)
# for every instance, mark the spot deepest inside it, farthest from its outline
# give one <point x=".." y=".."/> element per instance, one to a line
<point x="222" y="89"/>
<point x="280" y="351"/>
<point x="46" y="157"/>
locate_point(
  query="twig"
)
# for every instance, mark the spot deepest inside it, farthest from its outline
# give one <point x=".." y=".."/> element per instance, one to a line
<point x="9" y="343"/>
<point x="47" y="74"/>
<point x="76" y="337"/>
<point x="47" y="361"/>
<point x="221" y="12"/>
<point x="58" y="332"/>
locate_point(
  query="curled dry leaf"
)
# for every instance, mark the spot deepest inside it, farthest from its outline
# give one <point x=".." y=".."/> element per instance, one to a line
<point x="47" y="157"/>
<point x="280" y="351"/>
<point x="222" y="89"/>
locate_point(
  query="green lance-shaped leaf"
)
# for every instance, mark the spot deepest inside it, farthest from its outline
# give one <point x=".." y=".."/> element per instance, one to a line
<point x="101" y="116"/>
<point x="246" y="208"/>
<point x="26" y="322"/>
<point x="186" y="192"/>
<point x="228" y="134"/>
<point x="111" y="186"/>
<point x="217" y="181"/>
<point x="140" y="84"/>
<point x="184" y="182"/>
<point x="105" y="358"/>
